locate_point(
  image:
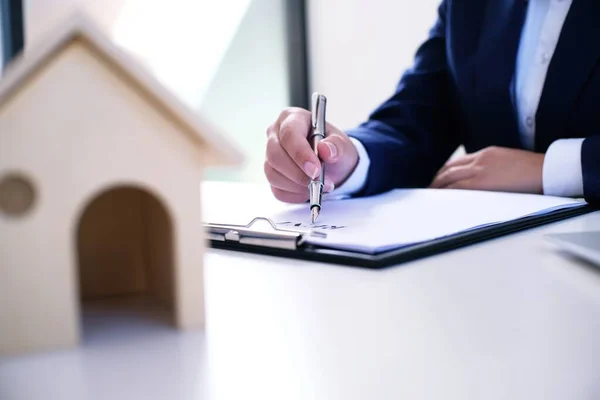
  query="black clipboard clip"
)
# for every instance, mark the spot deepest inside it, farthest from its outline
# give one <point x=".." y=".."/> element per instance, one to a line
<point x="257" y="233"/>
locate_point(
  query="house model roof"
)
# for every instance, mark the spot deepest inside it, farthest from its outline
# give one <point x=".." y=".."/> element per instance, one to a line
<point x="211" y="143"/>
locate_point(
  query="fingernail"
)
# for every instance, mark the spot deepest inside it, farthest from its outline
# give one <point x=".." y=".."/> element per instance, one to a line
<point x="311" y="169"/>
<point x="328" y="185"/>
<point x="332" y="149"/>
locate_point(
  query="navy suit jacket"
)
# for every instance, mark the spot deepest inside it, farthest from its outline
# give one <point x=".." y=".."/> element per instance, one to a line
<point x="459" y="92"/>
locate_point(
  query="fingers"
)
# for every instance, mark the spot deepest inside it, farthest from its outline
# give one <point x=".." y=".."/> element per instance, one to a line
<point x="289" y="197"/>
<point x="464" y="184"/>
<point x="280" y="161"/>
<point x="332" y="148"/>
<point x="339" y="154"/>
<point x="467" y="159"/>
<point x="452" y="175"/>
<point x="280" y="181"/>
<point x="293" y="132"/>
<point x="295" y="194"/>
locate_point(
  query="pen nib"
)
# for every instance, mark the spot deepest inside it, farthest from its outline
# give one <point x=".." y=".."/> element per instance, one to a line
<point x="314" y="214"/>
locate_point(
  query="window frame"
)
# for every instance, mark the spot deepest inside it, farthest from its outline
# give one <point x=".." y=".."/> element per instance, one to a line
<point x="297" y="53"/>
<point x="13" y="32"/>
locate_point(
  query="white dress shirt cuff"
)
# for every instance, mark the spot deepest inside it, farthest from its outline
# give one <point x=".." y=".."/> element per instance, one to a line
<point x="356" y="181"/>
<point x="562" y="171"/>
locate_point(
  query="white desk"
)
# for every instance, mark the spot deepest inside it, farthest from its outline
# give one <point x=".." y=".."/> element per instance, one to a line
<point x="506" y="319"/>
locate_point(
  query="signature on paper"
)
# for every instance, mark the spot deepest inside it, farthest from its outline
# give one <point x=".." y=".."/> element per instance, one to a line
<point x="309" y="226"/>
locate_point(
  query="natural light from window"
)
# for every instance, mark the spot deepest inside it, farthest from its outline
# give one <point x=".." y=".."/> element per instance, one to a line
<point x="183" y="46"/>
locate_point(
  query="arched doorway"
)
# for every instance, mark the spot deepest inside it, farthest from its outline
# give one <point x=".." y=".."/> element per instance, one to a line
<point x="125" y="260"/>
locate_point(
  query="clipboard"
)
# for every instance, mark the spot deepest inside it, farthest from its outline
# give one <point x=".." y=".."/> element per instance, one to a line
<point x="290" y="243"/>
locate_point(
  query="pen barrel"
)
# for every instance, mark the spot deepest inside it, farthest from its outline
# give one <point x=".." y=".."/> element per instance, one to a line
<point x="319" y="119"/>
<point x="319" y="126"/>
<point x="315" y="139"/>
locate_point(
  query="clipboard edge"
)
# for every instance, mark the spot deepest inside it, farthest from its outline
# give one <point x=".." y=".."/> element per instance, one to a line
<point x="414" y="252"/>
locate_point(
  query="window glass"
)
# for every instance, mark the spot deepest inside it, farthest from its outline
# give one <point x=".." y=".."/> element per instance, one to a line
<point x="225" y="59"/>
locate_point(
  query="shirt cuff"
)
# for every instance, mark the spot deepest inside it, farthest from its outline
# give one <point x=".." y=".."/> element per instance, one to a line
<point x="356" y="181"/>
<point x="562" y="171"/>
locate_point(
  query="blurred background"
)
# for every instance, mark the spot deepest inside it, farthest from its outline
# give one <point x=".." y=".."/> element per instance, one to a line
<point x="240" y="62"/>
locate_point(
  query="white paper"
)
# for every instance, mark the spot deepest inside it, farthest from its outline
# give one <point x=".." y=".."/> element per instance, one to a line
<point x="403" y="217"/>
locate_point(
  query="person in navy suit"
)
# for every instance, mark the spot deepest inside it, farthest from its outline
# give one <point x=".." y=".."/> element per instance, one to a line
<point x="516" y="82"/>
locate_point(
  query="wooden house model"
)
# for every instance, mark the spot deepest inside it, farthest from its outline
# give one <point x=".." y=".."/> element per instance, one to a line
<point x="100" y="185"/>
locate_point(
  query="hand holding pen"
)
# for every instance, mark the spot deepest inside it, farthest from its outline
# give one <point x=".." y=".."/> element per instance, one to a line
<point x="292" y="163"/>
<point x="318" y="122"/>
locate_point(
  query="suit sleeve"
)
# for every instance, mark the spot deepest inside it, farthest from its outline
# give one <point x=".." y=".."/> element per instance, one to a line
<point x="590" y="163"/>
<point x="412" y="134"/>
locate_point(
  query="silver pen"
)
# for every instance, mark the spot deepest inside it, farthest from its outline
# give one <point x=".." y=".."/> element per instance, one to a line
<point x="315" y="187"/>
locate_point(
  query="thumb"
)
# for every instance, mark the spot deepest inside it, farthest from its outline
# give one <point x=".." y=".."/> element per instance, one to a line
<point x="331" y="149"/>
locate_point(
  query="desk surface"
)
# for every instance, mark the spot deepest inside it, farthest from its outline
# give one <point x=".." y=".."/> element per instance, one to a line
<point x="507" y="319"/>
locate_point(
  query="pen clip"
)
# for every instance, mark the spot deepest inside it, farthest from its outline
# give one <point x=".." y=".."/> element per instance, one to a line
<point x="319" y="103"/>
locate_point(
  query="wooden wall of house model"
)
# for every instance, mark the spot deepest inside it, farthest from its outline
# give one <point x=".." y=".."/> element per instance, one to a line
<point x="100" y="172"/>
